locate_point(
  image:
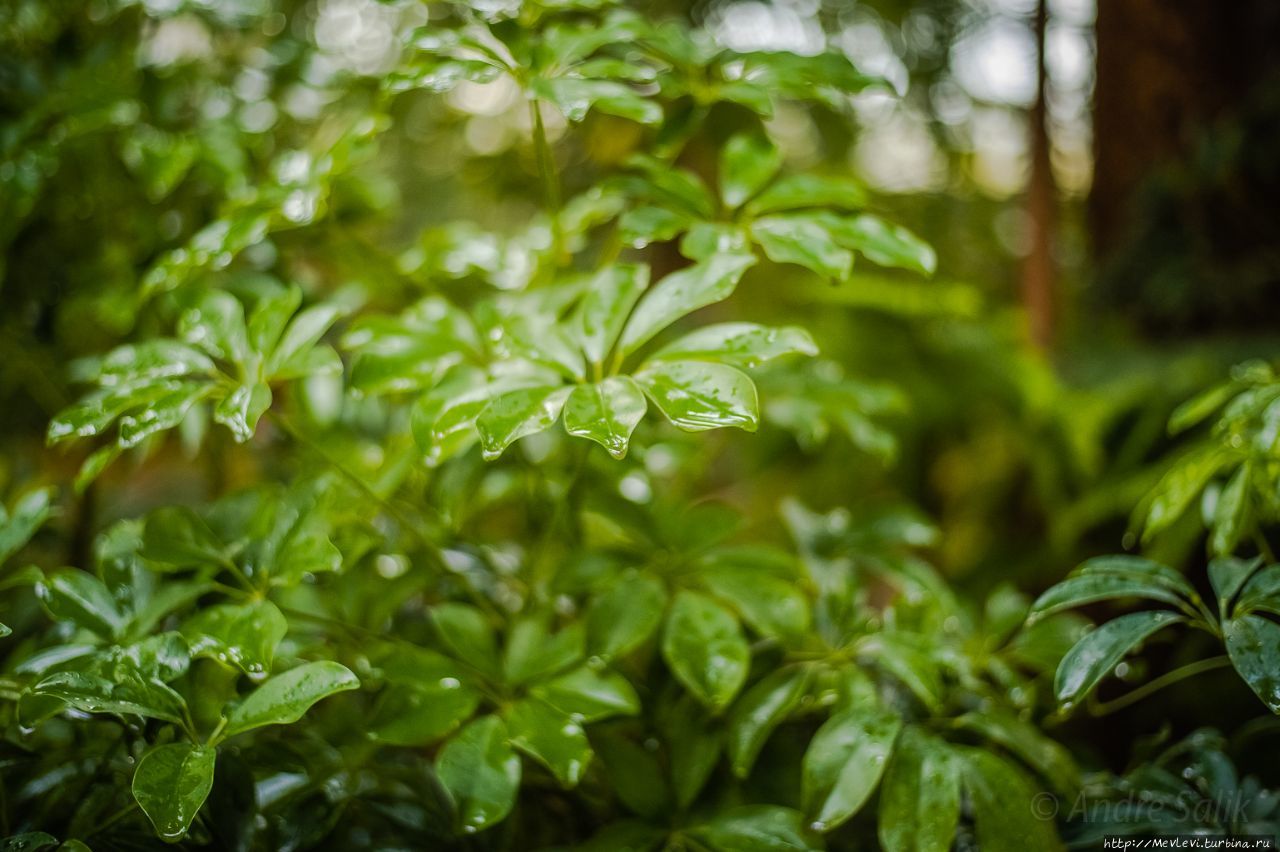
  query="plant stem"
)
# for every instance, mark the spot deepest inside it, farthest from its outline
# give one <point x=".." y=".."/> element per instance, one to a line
<point x="1106" y="708"/>
<point x="550" y="181"/>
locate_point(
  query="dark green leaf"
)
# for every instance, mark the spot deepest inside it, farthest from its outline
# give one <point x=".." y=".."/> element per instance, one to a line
<point x="590" y="693"/>
<point x="625" y="615"/>
<point x="552" y="737"/>
<point x="81" y="598"/>
<point x="127" y="692"/>
<point x="761" y="709"/>
<point x="920" y="796"/>
<point x="756" y="828"/>
<point x="171" y="783"/>
<point x="1253" y="643"/>
<point x="481" y="773"/>
<point x="1090" y="659"/>
<point x="844" y="762"/>
<point x="244" y="635"/>
<point x="1003" y="805"/>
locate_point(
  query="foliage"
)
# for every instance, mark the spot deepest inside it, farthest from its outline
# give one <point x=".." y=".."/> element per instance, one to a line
<point x="389" y="603"/>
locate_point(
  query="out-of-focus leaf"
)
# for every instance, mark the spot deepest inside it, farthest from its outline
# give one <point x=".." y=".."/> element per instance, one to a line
<point x="705" y="649"/>
<point x="481" y="773"/>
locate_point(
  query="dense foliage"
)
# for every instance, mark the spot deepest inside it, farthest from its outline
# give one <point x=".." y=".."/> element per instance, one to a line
<point x="386" y="591"/>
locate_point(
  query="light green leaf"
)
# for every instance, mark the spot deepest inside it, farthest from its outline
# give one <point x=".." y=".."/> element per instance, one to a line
<point x="641" y="226"/>
<point x="241" y="409"/>
<point x="698" y="395"/>
<point x="604" y="308"/>
<point x="244" y="635"/>
<point x="804" y="241"/>
<point x="82" y="598"/>
<point x="625" y="615"/>
<point x="844" y="762"/>
<point x="1090" y="659"/>
<point x="171" y="783"/>
<point x="682" y="293"/>
<point x="289" y="358"/>
<point x="1253" y="643"/>
<point x="606" y="412"/>
<point x="515" y="414"/>
<point x="761" y="709"/>
<point x="739" y="344"/>
<point x="797" y="192"/>
<point x="28" y="515"/>
<point x="748" y="161"/>
<point x="285" y="697"/>
<point x="770" y="604"/>
<point x="884" y="243"/>
<point x="920" y="796"/>
<point x="165" y="411"/>
<point x="705" y="649"/>
<point x="552" y="737"/>
<point x="757" y="828"/>
<point x="481" y="772"/>
<point x="1232" y="514"/>
<point x="1136" y="565"/>
<point x="216" y="324"/>
<point x="705" y="240"/>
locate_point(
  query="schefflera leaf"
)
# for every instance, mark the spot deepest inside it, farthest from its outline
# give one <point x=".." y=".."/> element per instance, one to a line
<point x="513" y="415"/>
<point x="171" y="784"/>
<point x="699" y="395"/>
<point x="286" y="697"/>
<point x="481" y="773"/>
<point x="244" y="635"/>
<point x="606" y="412"/>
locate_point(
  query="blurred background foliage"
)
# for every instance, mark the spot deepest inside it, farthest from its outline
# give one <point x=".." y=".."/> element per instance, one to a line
<point x="1019" y="399"/>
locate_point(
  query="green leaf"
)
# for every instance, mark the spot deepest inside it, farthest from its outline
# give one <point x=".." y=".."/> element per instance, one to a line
<point x="804" y="241"/>
<point x="682" y="293"/>
<point x="464" y="630"/>
<point x="770" y="604"/>
<point x="920" y="796"/>
<point x="705" y="649"/>
<point x="241" y="409"/>
<point x="481" y="772"/>
<point x="552" y="737"/>
<point x="1025" y="740"/>
<point x="1261" y="592"/>
<point x="1253" y="643"/>
<point x="695" y="741"/>
<point x="1231" y="515"/>
<point x="176" y="536"/>
<point x="165" y="411"/>
<point x="1136" y="565"/>
<point x="739" y="344"/>
<point x="244" y="635"/>
<point x="697" y="395"/>
<point x="289" y="358"/>
<point x="634" y="775"/>
<point x="748" y="161"/>
<point x="515" y="414"/>
<point x="83" y="599"/>
<point x="641" y="226"/>
<point x="216" y="324"/>
<point x="756" y="828"/>
<point x="1090" y="659"/>
<point x="283" y="699"/>
<point x="1092" y="587"/>
<point x="844" y="762"/>
<point x="533" y="651"/>
<point x="1003" y="805"/>
<point x="575" y="97"/>
<point x="171" y="783"/>
<point x="797" y="192"/>
<point x="127" y="692"/>
<point x="761" y="709"/>
<point x="606" y="412"/>
<point x="420" y="714"/>
<point x="1228" y="575"/>
<point x="28" y="515"/>
<point x="1178" y="488"/>
<point x="705" y="240"/>
<point x="590" y="693"/>
<point x="884" y="243"/>
<point x="625" y="615"/>
<point x="604" y="308"/>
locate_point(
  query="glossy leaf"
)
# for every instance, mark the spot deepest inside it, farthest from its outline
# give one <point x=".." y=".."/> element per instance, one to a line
<point x="1253" y="644"/>
<point x="590" y="693"/>
<point x="804" y="242"/>
<point x="920" y="795"/>
<point x="705" y="649"/>
<point x="127" y="692"/>
<point x="696" y="396"/>
<point x="1090" y="659"/>
<point x="82" y="598"/>
<point x="481" y="772"/>
<point x="604" y="308"/>
<point x="756" y="828"/>
<point x="515" y="414"/>
<point x="244" y="635"/>
<point x="606" y="412"/>
<point x="552" y="737"/>
<point x="739" y="344"/>
<point x="171" y="784"/>
<point x="284" y="698"/>
<point x="682" y="293"/>
<point x="843" y="763"/>
<point x="759" y="711"/>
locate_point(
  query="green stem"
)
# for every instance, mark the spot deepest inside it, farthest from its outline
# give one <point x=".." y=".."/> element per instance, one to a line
<point x="550" y="180"/>
<point x="1106" y="708"/>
